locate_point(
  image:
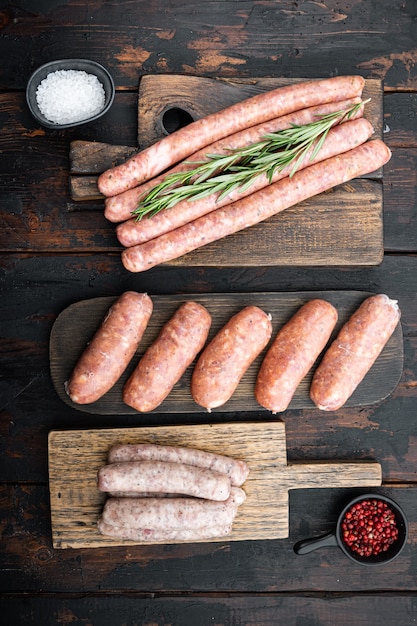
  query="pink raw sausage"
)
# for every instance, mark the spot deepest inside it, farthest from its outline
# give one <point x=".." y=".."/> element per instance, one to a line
<point x="236" y="469"/>
<point x="164" y="477"/>
<point x="166" y="360"/>
<point x="354" y="351"/>
<point x="293" y="353"/>
<point x="170" y="513"/>
<point x="111" y="349"/>
<point x="224" y="361"/>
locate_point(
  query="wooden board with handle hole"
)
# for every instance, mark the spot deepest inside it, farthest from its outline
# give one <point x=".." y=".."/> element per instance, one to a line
<point x="85" y="316"/>
<point x="341" y="227"/>
<point x="75" y="457"/>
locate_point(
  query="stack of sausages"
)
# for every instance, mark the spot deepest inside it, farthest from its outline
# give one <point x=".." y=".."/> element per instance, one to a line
<point x="222" y="363"/>
<point x="167" y="493"/>
<point x="345" y="154"/>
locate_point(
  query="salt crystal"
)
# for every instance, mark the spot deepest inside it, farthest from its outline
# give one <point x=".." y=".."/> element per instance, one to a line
<point x="69" y="96"/>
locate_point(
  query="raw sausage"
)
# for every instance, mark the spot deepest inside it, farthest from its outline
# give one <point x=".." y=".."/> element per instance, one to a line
<point x="339" y="139"/>
<point x="236" y="469"/>
<point x="167" y="513"/>
<point x="154" y="536"/>
<point x="293" y="353"/>
<point x="119" y="208"/>
<point x="262" y="107"/>
<point x="164" y="477"/>
<point x="354" y="351"/>
<point x="258" y="206"/>
<point x="224" y="361"/>
<point x="111" y="349"/>
<point x="166" y="360"/>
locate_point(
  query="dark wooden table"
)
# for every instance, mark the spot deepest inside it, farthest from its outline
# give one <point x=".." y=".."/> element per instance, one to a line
<point x="55" y="252"/>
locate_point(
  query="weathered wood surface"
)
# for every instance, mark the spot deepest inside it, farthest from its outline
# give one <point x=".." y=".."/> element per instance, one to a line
<point x="57" y="252"/>
<point x="86" y="316"/>
<point x="76" y="456"/>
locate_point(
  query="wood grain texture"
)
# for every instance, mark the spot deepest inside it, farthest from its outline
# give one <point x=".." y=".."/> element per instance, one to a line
<point x="66" y="346"/>
<point x="76" y="456"/>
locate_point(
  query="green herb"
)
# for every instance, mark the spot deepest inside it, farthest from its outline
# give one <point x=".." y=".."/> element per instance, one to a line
<point x="224" y="173"/>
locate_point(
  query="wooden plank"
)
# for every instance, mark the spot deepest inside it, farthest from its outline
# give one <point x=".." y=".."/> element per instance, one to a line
<point x="76" y="456"/>
<point x="66" y="347"/>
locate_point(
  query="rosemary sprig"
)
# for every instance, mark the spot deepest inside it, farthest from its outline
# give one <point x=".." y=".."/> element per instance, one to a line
<point x="224" y="173"/>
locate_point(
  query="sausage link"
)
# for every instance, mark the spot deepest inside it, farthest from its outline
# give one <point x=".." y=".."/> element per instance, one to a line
<point x="260" y="108"/>
<point x="258" y="206"/>
<point x="164" y="477"/>
<point x="293" y="353"/>
<point x="354" y="351"/>
<point x="339" y="139"/>
<point x="166" y="360"/>
<point x="224" y="361"/>
<point x="154" y="536"/>
<point x="111" y="349"/>
<point x="168" y="514"/>
<point x="119" y="208"/>
<point x="236" y="469"/>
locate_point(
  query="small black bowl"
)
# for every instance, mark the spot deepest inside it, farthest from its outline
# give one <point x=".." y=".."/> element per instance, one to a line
<point x="90" y="67"/>
<point x="336" y="538"/>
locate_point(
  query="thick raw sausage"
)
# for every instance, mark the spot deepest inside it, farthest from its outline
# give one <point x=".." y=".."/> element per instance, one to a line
<point x="111" y="349"/>
<point x="164" y="477"/>
<point x="154" y="536"/>
<point x="292" y="354"/>
<point x="224" y="361"/>
<point x="262" y="107"/>
<point x="119" y="208"/>
<point x="339" y="139"/>
<point x="236" y="469"/>
<point x="166" y="360"/>
<point x="258" y="206"/>
<point x="354" y="351"/>
<point x="171" y="513"/>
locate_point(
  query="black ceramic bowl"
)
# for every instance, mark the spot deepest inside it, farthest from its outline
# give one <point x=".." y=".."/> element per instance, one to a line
<point x="90" y="67"/>
<point x="336" y="538"/>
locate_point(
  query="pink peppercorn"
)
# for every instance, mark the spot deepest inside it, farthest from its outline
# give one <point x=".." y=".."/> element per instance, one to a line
<point x="369" y="527"/>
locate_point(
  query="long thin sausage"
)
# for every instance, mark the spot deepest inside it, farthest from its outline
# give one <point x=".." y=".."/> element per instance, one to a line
<point x="236" y="469"/>
<point x="171" y="513"/>
<point x="258" y="206"/>
<point x="340" y="139"/>
<point x="148" y="535"/>
<point x="224" y="361"/>
<point x="166" y="360"/>
<point x="164" y="477"/>
<point x="293" y="352"/>
<point x="111" y="349"/>
<point x="354" y="351"/>
<point x="185" y="141"/>
<point x="119" y="208"/>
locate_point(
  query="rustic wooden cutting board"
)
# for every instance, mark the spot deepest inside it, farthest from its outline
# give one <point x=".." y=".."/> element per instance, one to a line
<point x="342" y="227"/>
<point x="76" y="456"/>
<point x="66" y="346"/>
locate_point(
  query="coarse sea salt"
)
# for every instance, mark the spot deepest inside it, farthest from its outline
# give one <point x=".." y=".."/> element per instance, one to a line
<point x="69" y="96"/>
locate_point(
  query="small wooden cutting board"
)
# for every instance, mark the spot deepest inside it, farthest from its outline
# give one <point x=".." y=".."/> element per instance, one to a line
<point x="75" y="457"/>
<point x="66" y="347"/>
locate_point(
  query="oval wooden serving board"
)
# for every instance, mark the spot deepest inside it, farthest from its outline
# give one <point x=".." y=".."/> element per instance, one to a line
<point x="75" y="457"/>
<point x="76" y="325"/>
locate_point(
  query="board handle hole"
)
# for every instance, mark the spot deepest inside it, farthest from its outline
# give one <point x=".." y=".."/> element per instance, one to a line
<point x="175" y="118"/>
